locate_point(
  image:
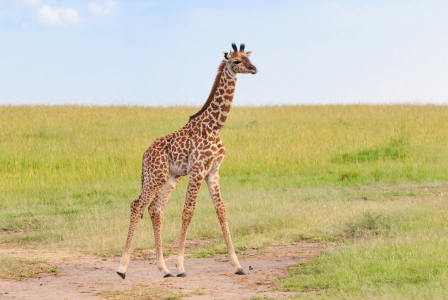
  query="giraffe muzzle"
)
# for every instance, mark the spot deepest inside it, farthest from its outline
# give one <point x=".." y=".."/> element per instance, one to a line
<point x="253" y="70"/>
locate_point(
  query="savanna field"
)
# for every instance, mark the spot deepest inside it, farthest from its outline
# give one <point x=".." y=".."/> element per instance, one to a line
<point x="369" y="182"/>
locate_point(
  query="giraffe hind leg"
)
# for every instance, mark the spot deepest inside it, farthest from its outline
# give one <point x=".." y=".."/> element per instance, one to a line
<point x="135" y="216"/>
<point x="152" y="182"/>
<point x="137" y="207"/>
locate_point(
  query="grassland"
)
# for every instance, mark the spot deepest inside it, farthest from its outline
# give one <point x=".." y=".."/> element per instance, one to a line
<point x="369" y="179"/>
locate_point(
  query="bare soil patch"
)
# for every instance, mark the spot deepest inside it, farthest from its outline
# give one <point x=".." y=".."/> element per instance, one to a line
<point x="85" y="277"/>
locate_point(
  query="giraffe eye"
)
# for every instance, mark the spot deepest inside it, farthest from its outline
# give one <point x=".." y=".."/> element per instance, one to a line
<point x="237" y="62"/>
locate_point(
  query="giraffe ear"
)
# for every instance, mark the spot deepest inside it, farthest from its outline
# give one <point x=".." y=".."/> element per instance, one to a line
<point x="248" y="53"/>
<point x="225" y="55"/>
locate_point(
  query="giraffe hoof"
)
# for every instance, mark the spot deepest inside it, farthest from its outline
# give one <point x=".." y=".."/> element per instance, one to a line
<point x="168" y="275"/>
<point x="182" y="274"/>
<point x="240" y="272"/>
<point x="122" y="275"/>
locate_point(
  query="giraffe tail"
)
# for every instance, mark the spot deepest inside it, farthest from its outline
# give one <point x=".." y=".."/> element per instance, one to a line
<point x="143" y="178"/>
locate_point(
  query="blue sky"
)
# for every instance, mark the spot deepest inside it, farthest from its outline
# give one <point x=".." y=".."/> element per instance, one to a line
<point x="167" y="52"/>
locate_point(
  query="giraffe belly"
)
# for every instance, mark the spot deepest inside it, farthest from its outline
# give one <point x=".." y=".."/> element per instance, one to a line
<point x="179" y="167"/>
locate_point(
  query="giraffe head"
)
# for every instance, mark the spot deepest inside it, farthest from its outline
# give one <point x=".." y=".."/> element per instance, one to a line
<point x="239" y="61"/>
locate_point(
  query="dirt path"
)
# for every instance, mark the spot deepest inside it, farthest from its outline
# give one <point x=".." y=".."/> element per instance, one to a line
<point x="83" y="278"/>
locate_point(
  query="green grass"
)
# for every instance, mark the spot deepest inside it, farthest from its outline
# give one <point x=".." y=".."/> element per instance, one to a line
<point x="19" y="267"/>
<point x="60" y="147"/>
<point x="402" y="255"/>
<point x="368" y="179"/>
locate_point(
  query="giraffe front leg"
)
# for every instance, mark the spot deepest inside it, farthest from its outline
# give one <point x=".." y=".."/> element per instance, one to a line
<point x="194" y="184"/>
<point x="213" y="186"/>
<point x="156" y="212"/>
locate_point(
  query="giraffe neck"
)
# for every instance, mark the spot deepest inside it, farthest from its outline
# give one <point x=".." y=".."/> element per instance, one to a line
<point x="215" y="114"/>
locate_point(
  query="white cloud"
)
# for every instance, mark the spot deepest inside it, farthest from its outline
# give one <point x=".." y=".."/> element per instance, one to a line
<point x="31" y="2"/>
<point x="99" y="10"/>
<point x="57" y="16"/>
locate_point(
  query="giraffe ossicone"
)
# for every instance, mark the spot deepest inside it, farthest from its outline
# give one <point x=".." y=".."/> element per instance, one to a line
<point x="194" y="150"/>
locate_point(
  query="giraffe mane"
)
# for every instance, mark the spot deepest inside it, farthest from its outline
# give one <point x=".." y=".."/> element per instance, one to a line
<point x="212" y="92"/>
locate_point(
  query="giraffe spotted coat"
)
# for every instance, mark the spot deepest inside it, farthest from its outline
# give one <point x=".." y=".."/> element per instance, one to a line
<point x="194" y="150"/>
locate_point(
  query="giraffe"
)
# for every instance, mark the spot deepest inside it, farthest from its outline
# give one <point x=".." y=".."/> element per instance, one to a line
<point x="194" y="150"/>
